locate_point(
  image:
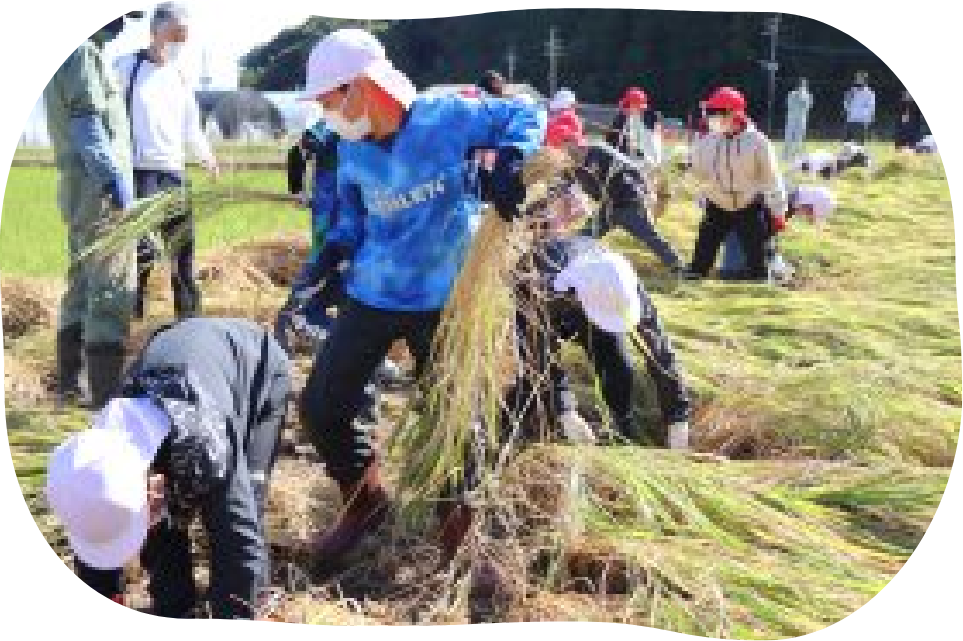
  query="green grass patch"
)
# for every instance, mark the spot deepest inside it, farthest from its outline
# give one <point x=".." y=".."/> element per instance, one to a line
<point x="33" y="238"/>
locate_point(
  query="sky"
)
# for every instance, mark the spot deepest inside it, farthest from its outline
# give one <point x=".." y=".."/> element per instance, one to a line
<point x="224" y="35"/>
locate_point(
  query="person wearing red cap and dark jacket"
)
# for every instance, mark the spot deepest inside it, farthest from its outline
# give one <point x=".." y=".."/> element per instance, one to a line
<point x="635" y="130"/>
<point x="741" y="184"/>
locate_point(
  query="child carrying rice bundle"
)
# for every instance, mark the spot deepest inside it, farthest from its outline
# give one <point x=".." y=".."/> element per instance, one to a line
<point x="408" y="213"/>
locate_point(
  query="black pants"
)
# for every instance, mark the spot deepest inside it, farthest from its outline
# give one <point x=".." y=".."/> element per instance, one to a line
<point x="751" y="226"/>
<point x="166" y="553"/>
<point x="611" y="356"/>
<point x="334" y="393"/>
<point x="178" y="236"/>
<point x="856" y="132"/>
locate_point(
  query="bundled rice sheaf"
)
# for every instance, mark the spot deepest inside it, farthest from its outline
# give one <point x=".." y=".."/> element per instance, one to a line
<point x="461" y="399"/>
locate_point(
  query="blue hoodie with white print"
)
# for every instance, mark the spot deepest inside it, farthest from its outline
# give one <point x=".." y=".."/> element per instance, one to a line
<point x="409" y="205"/>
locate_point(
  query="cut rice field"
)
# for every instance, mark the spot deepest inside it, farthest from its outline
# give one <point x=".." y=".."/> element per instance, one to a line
<point x="827" y="418"/>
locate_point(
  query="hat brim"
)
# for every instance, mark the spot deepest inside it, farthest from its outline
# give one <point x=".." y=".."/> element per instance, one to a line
<point x="120" y="551"/>
<point x="614" y="324"/>
<point x="381" y="72"/>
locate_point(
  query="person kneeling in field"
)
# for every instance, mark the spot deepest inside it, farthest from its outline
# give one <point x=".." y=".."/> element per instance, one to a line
<point x="194" y="429"/>
<point x="827" y="165"/>
<point x="735" y="162"/>
<point x="812" y="202"/>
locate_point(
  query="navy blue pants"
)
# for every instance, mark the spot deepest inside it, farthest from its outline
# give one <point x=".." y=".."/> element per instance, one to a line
<point x="750" y="224"/>
<point x="178" y="236"/>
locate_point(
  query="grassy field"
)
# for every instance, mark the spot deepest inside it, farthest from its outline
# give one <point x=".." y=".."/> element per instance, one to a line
<point x="30" y="213"/>
<point x="835" y="403"/>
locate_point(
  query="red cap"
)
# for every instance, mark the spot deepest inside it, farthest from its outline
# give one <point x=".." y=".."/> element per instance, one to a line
<point x="726" y="98"/>
<point x="563" y="130"/>
<point x="634" y="98"/>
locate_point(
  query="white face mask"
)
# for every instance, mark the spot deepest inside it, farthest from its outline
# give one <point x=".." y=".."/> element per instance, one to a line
<point x="634" y="122"/>
<point x="173" y="51"/>
<point x="347" y="129"/>
<point x="717" y="124"/>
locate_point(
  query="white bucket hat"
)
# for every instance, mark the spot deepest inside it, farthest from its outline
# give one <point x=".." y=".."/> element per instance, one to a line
<point x="346" y="54"/>
<point x="97" y="482"/>
<point x="818" y="197"/>
<point x="563" y="99"/>
<point x="607" y="287"/>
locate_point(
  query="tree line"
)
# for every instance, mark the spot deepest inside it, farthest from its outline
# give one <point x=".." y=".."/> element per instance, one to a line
<point x="676" y="56"/>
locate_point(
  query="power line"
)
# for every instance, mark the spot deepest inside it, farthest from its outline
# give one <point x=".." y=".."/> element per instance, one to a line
<point x="772" y="30"/>
<point x="553" y="49"/>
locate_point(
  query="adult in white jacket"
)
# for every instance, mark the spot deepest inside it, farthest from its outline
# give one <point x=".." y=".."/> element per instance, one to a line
<point x="860" y="106"/>
<point x="165" y="122"/>
<point x="798" y="104"/>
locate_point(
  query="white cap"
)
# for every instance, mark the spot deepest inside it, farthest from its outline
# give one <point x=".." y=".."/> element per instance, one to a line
<point x="607" y="287"/>
<point x="818" y="197"/>
<point x="347" y="54"/>
<point x="563" y="99"/>
<point x="97" y="482"/>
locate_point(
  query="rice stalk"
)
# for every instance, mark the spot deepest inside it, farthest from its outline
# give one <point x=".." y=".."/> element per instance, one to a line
<point x="461" y="405"/>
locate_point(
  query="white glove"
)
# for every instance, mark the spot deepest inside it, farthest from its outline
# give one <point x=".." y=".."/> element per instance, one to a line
<point x="575" y="428"/>
<point x="679" y="436"/>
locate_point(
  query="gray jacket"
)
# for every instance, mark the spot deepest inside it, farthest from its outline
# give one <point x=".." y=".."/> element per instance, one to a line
<point x="224" y="384"/>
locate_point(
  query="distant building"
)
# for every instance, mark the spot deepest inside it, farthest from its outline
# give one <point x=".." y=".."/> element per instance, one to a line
<point x="241" y="114"/>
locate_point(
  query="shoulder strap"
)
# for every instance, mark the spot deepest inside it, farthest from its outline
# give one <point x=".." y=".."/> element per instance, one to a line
<point x="139" y="59"/>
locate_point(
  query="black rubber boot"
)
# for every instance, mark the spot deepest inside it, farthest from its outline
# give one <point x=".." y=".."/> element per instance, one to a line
<point x="105" y="365"/>
<point x="70" y="346"/>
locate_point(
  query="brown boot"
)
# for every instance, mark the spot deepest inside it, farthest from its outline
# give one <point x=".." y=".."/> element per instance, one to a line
<point x="454" y="523"/>
<point x="365" y="508"/>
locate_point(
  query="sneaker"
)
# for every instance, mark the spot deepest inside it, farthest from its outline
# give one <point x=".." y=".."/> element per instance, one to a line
<point x="390" y="375"/>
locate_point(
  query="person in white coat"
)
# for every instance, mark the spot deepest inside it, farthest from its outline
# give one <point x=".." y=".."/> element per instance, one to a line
<point x="798" y="104"/>
<point x="165" y="124"/>
<point x="859" y="104"/>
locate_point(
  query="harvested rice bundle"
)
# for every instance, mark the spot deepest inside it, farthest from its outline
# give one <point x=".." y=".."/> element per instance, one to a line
<point x="149" y="213"/>
<point x="461" y="400"/>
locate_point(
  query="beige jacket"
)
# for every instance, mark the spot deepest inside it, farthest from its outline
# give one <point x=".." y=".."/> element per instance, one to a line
<point x="733" y="171"/>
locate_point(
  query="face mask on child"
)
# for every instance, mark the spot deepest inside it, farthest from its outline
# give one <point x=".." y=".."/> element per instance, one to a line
<point x="717" y="124"/>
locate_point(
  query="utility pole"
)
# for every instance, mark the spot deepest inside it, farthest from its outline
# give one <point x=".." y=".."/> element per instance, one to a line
<point x="553" y="49"/>
<point x="510" y="57"/>
<point x="772" y="30"/>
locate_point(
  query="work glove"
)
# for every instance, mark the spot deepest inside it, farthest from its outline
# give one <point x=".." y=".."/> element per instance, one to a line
<point x="507" y="188"/>
<point x="147" y="251"/>
<point x="296" y="166"/>
<point x="678" y="437"/>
